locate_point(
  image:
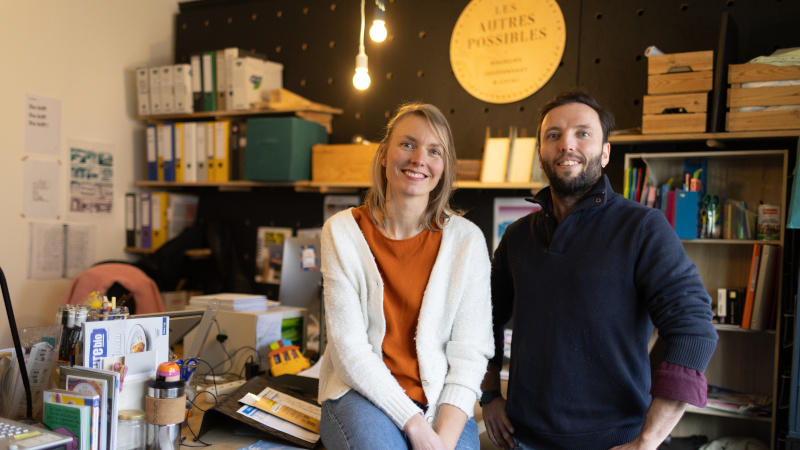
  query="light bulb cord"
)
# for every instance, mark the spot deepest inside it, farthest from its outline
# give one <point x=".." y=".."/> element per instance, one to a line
<point x="361" y="36"/>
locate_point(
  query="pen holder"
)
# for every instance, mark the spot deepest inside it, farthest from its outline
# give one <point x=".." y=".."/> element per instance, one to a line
<point x="118" y="313"/>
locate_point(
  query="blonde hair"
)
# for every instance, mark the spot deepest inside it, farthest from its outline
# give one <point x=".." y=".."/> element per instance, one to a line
<point x="438" y="210"/>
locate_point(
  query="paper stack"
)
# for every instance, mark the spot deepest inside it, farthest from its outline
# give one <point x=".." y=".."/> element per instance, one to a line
<point x="235" y="302"/>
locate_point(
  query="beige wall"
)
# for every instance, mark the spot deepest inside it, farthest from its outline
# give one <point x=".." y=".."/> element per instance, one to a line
<point x="81" y="52"/>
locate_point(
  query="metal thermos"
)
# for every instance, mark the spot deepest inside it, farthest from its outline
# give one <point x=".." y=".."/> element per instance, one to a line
<point x="165" y="411"/>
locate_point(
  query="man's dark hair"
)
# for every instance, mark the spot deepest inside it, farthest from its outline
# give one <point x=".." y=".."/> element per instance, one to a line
<point x="578" y="95"/>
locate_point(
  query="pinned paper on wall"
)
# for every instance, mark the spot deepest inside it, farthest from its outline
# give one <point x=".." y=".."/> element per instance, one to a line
<point x="41" y="189"/>
<point x="91" y="190"/>
<point x="42" y="125"/>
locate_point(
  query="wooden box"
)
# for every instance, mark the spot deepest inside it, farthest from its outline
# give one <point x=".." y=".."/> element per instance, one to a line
<point x="342" y="162"/>
<point x="680" y="72"/>
<point x="675" y="113"/>
<point x="768" y="107"/>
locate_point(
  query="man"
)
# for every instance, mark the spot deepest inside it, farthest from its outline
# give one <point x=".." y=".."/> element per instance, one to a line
<point x="586" y="278"/>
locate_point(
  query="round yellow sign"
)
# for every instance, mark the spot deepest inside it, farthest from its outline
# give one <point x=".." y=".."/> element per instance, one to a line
<point x="504" y="51"/>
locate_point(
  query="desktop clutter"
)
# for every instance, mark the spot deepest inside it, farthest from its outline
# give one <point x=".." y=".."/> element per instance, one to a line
<point x="119" y="385"/>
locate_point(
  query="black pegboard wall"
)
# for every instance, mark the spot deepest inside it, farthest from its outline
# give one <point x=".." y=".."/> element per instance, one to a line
<point x="317" y="41"/>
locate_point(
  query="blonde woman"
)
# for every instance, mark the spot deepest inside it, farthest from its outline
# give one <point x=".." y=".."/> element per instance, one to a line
<point x="407" y="300"/>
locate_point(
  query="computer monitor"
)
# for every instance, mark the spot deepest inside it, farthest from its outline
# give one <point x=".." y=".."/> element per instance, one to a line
<point x="180" y="322"/>
<point x="301" y="278"/>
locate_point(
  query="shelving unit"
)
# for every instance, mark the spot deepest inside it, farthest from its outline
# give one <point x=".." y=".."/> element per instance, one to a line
<point x="745" y="361"/>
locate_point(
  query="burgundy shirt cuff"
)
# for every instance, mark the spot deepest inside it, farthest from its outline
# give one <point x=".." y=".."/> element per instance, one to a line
<point x="680" y="383"/>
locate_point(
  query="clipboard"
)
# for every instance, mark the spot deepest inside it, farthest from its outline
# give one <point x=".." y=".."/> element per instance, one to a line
<point x="224" y="413"/>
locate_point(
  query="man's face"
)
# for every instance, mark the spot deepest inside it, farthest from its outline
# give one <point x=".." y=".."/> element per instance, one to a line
<point x="571" y="149"/>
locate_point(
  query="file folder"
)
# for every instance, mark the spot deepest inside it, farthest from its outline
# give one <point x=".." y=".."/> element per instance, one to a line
<point x="152" y="152"/>
<point x="210" y="81"/>
<point x="130" y="219"/>
<point x="147" y="237"/>
<point x="222" y="130"/>
<point x="167" y="150"/>
<point x="197" y="82"/>
<point x="159" y="201"/>
<point x="178" y="140"/>
<point x="190" y="151"/>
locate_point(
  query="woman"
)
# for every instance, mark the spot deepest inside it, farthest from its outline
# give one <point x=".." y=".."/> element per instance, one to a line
<point x="407" y="301"/>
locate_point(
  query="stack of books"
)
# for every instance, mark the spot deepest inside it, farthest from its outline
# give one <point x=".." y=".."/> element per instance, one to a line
<point x="234" y="302"/>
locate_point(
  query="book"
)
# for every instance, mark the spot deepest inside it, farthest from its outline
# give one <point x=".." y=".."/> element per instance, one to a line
<point x="495" y="158"/>
<point x="70" y="420"/>
<point x="521" y="159"/>
<point x="269" y="253"/>
<point x="111" y="383"/>
<point x="95" y="387"/>
<point x="750" y="293"/>
<point x="64" y="396"/>
<point x="734" y="306"/>
<point x="766" y="288"/>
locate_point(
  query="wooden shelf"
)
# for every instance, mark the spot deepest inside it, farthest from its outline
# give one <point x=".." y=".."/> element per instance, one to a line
<point x="686" y="137"/>
<point x="319" y="187"/>
<point x="715" y="412"/>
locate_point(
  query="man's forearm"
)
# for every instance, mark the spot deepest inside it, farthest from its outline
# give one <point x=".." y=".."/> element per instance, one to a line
<point x="662" y="417"/>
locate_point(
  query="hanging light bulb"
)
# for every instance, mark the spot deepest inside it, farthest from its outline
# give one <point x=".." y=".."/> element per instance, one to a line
<point x="361" y="78"/>
<point x="378" y="30"/>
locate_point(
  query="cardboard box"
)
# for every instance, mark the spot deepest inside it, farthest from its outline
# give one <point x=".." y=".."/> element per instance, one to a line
<point x="251" y="81"/>
<point x="342" y="162"/>
<point x="279" y="148"/>
<point x="767" y="106"/>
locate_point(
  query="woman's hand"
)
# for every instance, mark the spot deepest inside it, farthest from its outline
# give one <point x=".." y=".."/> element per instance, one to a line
<point x="421" y="434"/>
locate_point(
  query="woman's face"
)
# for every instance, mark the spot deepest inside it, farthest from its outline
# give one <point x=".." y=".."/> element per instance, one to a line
<point x="414" y="159"/>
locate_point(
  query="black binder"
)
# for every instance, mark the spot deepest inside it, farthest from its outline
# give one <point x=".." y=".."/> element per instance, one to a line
<point x="224" y="413"/>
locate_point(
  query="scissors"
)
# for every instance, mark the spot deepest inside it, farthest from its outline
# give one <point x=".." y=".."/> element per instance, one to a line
<point x="187" y="367"/>
<point x="710" y="216"/>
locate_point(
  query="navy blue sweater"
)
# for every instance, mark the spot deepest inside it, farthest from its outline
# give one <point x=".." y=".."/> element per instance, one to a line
<point x="585" y="294"/>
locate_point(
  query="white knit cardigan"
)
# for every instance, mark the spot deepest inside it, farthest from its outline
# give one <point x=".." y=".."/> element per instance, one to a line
<point x="454" y="329"/>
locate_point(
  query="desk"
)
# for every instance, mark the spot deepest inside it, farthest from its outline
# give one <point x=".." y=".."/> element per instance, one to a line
<point x="222" y="438"/>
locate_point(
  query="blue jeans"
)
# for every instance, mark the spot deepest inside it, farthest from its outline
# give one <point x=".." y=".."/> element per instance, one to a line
<point x="353" y="423"/>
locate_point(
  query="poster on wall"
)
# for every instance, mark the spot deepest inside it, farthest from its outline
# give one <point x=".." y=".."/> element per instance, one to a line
<point x="42" y="125"/>
<point x="41" y="191"/>
<point x="508" y="210"/>
<point x="91" y="190"/>
<point x="503" y="52"/>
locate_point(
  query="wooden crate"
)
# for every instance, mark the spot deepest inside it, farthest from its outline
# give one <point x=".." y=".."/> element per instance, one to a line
<point x="656" y="120"/>
<point x="680" y="72"/>
<point x="780" y="96"/>
<point x="342" y="162"/>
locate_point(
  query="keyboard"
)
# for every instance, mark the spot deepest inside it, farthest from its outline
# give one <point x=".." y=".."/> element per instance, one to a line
<point x="19" y="436"/>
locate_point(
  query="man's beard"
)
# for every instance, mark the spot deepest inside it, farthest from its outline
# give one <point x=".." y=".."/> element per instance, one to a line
<point x="574" y="187"/>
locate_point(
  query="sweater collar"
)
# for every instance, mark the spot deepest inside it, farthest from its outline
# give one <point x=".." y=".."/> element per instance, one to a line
<point x="597" y="196"/>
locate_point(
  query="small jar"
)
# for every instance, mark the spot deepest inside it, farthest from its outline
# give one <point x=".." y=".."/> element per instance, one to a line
<point x="131" y="430"/>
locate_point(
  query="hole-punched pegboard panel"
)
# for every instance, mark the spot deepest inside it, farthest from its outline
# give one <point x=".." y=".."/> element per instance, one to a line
<point x="317" y="42"/>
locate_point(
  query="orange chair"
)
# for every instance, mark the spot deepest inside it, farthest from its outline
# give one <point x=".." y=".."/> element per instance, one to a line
<point x="103" y="277"/>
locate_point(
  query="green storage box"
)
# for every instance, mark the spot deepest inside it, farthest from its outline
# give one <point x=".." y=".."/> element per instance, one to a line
<point x="279" y="148"/>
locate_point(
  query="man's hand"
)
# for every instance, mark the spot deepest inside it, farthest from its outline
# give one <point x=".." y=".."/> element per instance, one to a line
<point x="661" y="418"/>
<point x="498" y="427"/>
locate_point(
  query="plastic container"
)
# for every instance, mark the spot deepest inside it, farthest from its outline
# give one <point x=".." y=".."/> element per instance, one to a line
<point x="131" y="430"/>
